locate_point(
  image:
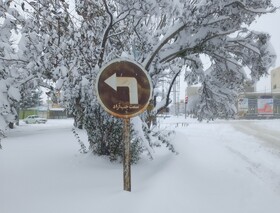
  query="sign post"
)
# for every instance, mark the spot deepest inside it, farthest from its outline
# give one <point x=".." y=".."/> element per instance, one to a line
<point x="186" y="102"/>
<point x="124" y="90"/>
<point x="126" y="157"/>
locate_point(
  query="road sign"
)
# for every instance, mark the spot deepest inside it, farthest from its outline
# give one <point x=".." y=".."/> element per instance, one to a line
<point x="124" y="88"/>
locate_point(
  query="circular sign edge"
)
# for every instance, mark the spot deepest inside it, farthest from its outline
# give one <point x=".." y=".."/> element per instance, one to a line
<point x="101" y="102"/>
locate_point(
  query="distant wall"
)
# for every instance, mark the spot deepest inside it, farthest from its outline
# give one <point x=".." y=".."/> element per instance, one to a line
<point x="24" y="113"/>
<point x="275" y="80"/>
<point x="50" y="114"/>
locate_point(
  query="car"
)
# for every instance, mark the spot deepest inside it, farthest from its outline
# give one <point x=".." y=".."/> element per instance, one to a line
<point x="34" y="119"/>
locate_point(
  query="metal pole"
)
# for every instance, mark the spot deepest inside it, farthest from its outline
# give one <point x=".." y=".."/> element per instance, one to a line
<point x="126" y="157"/>
<point x="185" y="110"/>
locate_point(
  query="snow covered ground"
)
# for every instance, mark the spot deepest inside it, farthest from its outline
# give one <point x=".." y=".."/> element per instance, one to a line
<point x="222" y="167"/>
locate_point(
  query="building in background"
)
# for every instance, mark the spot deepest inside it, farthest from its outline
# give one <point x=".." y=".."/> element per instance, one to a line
<point x="275" y="80"/>
<point x="192" y="91"/>
<point x="258" y="105"/>
<point x="250" y="104"/>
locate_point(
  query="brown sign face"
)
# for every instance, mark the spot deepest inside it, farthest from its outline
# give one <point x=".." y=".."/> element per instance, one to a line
<point x="124" y="89"/>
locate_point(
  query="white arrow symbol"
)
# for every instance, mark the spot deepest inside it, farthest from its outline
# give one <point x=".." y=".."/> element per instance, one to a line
<point x="130" y="82"/>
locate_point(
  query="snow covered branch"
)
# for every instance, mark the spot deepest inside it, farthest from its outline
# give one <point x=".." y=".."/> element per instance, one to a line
<point x="106" y="33"/>
<point x="169" y="35"/>
<point x="14" y="60"/>
<point x="252" y="10"/>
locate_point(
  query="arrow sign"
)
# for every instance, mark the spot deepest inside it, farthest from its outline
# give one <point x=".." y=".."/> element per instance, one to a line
<point x="124" y="88"/>
<point x="114" y="82"/>
<point x="134" y="77"/>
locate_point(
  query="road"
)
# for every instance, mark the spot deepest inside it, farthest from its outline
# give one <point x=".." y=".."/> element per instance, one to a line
<point x="268" y="137"/>
<point x="267" y="140"/>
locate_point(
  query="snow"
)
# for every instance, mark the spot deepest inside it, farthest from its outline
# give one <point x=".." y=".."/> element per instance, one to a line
<point x="137" y="125"/>
<point x="14" y="93"/>
<point x="222" y="166"/>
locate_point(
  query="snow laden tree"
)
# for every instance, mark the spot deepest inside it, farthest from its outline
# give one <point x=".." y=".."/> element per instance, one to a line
<point x="10" y="72"/>
<point x="30" y="97"/>
<point x="167" y="37"/>
<point x="16" y="73"/>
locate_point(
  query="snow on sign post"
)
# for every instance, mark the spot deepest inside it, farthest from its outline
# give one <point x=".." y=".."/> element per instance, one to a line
<point x="124" y="90"/>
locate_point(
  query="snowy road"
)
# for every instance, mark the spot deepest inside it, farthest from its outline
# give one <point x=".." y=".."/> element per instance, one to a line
<point x="267" y="141"/>
<point x="269" y="137"/>
<point x="222" y="167"/>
